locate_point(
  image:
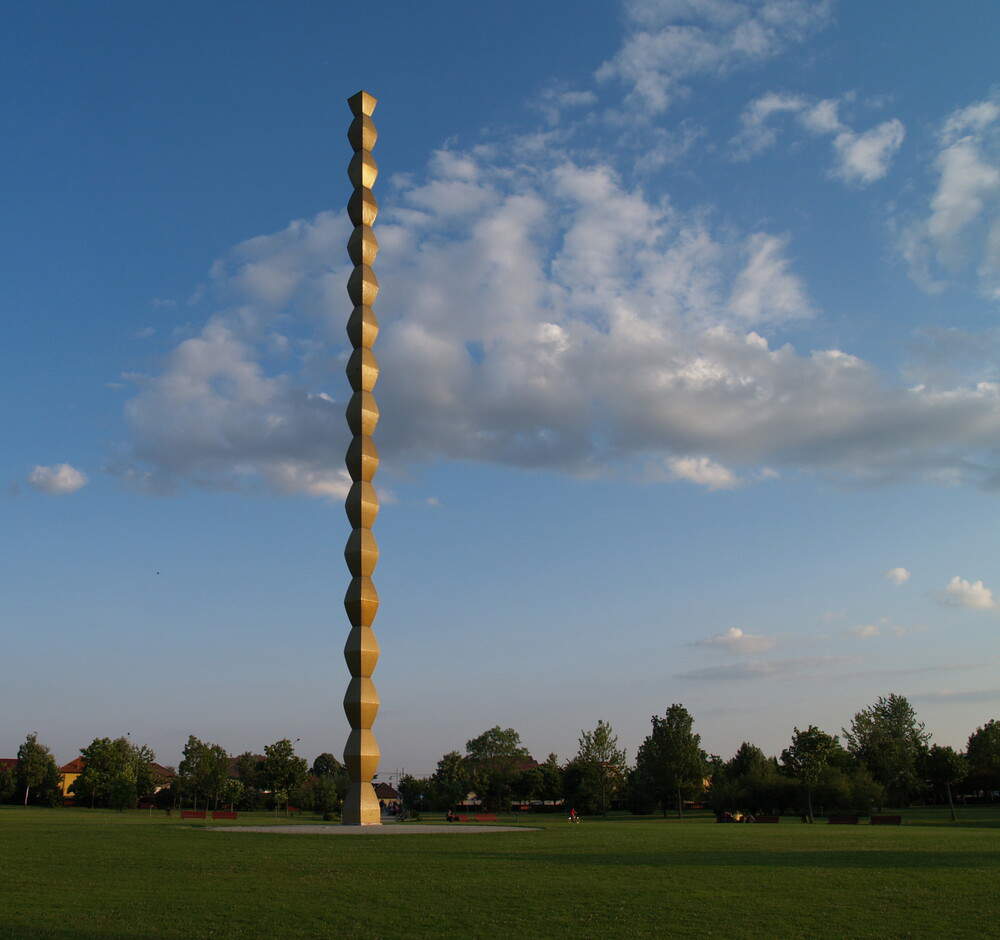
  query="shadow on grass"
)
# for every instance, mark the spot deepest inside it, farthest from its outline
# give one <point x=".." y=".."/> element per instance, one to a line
<point x="865" y="859"/>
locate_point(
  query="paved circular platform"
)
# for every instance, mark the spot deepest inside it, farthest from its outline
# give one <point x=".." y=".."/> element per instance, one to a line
<point x="389" y="830"/>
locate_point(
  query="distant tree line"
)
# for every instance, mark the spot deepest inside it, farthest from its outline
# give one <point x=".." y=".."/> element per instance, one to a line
<point x="885" y="758"/>
<point x="118" y="774"/>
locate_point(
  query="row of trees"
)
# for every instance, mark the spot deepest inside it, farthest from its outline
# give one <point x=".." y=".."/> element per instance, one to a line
<point x="118" y="774"/>
<point x="35" y="778"/>
<point x="885" y="759"/>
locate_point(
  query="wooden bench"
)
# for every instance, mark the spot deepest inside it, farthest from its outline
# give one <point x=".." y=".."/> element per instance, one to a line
<point x="767" y="819"/>
<point x="886" y="820"/>
<point x="842" y="820"/>
<point x="192" y="814"/>
<point x="486" y="817"/>
<point x="220" y="814"/>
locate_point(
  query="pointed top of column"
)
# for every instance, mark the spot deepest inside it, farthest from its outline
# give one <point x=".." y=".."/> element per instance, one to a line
<point x="362" y="103"/>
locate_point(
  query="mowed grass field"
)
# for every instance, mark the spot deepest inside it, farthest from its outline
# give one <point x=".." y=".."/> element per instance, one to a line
<point x="74" y="873"/>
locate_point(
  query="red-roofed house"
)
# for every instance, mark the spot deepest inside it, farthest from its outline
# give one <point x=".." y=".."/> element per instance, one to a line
<point x="70" y="772"/>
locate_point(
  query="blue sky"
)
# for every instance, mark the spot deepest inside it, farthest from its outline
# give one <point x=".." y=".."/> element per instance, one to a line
<point x="689" y="369"/>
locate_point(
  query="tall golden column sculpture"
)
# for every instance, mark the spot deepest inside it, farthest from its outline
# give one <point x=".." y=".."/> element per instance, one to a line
<point x="361" y="754"/>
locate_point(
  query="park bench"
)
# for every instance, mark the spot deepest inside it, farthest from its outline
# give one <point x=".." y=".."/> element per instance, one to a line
<point x="843" y="820"/>
<point x="886" y="820"/>
<point x="768" y="819"/>
<point x="463" y="818"/>
<point x="192" y="814"/>
<point x="486" y="817"/>
<point x="220" y="814"/>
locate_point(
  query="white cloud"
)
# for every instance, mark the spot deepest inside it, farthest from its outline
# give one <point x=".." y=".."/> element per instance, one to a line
<point x="538" y="314"/>
<point x="865" y="158"/>
<point x="765" y="669"/>
<point x="766" y="289"/>
<point x="556" y="99"/>
<point x="897" y="575"/>
<point x="213" y="416"/>
<point x="859" y="158"/>
<point x="969" y="120"/>
<point x="735" y="640"/>
<point x="756" y="135"/>
<point x="704" y="472"/>
<point x="294" y="477"/>
<point x="866" y="631"/>
<point x="972" y="594"/>
<point x="670" y="42"/>
<point x="58" y="479"/>
<point x="823" y="117"/>
<point x="960" y="232"/>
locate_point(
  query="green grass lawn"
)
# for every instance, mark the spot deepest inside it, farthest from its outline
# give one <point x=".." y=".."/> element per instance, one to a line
<point x="79" y="873"/>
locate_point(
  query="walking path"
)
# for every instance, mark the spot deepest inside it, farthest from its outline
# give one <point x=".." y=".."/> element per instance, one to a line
<point x="391" y="829"/>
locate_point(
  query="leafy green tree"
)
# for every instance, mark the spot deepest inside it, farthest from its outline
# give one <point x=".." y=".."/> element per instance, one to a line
<point x="93" y="786"/>
<point x="326" y="765"/>
<point x="116" y="773"/>
<point x="412" y="792"/>
<point x="808" y="758"/>
<point x="283" y="769"/>
<point x="889" y="740"/>
<point x="748" y="759"/>
<point x="526" y="784"/>
<point x="232" y="792"/>
<point x="640" y="794"/>
<point x="203" y="771"/>
<point x="552" y="786"/>
<point x="7" y="783"/>
<point x="597" y="774"/>
<point x="250" y="770"/>
<point x="326" y="797"/>
<point x="983" y="754"/>
<point x="945" y="767"/>
<point x="122" y="792"/>
<point x="749" y="780"/>
<point x="141" y="760"/>
<point x="670" y="763"/>
<point x="36" y="768"/>
<point x="450" y="780"/>
<point x="493" y="760"/>
<point x="866" y="792"/>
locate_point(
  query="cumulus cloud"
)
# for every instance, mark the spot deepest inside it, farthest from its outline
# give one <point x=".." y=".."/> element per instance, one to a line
<point x="215" y="417"/>
<point x="704" y="472"/>
<point x="897" y="575"/>
<point x="858" y="158"/>
<point x="58" y="479"/>
<point x="972" y="594"/>
<point x="670" y="42"/>
<point x="735" y="640"/>
<point x="865" y="158"/>
<point x="553" y="317"/>
<point x="960" y="230"/>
